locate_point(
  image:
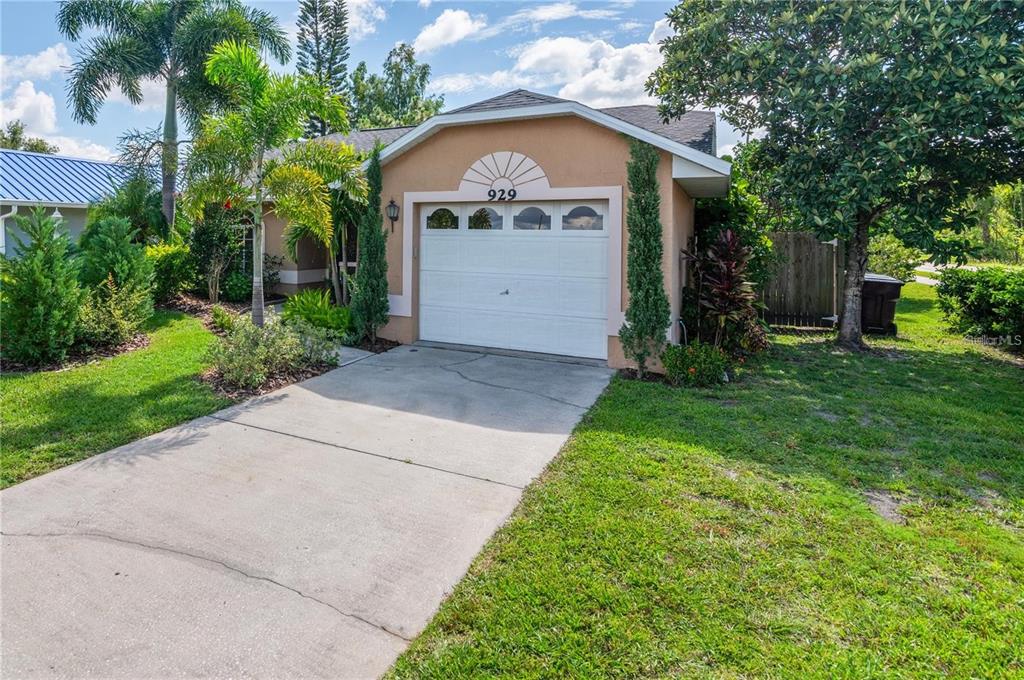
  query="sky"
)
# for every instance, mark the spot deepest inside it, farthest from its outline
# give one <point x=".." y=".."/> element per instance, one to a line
<point x="597" y="53"/>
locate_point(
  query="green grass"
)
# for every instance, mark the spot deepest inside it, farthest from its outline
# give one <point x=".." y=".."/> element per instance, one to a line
<point x="725" y="532"/>
<point x="55" y="418"/>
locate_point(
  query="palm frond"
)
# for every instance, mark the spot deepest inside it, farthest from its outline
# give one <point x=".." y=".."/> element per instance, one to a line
<point x="119" y="17"/>
<point x="336" y="163"/>
<point x="301" y="198"/>
<point x="269" y="35"/>
<point x="238" y="68"/>
<point x="106" y="61"/>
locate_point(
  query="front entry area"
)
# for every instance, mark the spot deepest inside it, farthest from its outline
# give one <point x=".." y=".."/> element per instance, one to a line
<point x="517" y="275"/>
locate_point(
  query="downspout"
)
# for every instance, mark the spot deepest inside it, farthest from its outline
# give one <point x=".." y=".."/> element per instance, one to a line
<point x="3" y="228"/>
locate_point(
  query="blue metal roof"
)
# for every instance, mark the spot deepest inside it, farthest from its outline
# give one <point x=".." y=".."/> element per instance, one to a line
<point x="47" y="178"/>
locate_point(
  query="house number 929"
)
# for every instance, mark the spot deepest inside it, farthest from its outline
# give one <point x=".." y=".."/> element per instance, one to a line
<point x="501" y="195"/>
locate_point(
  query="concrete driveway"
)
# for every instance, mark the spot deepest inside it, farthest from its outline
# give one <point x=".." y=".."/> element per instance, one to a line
<point x="309" y="533"/>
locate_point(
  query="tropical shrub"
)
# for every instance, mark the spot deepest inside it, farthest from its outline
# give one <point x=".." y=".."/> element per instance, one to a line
<point x="725" y="297"/>
<point x="40" y="292"/>
<point x="698" y="364"/>
<point x="173" y="270"/>
<point x="137" y="200"/>
<point x="314" y="306"/>
<point x="647" y="317"/>
<point x="222" y="319"/>
<point x="888" y="255"/>
<point x="236" y="286"/>
<point x="249" y="355"/>
<point x="214" y="242"/>
<point x="987" y="302"/>
<point x="112" y="314"/>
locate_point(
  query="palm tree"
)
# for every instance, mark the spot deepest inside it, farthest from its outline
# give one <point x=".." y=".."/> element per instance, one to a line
<point x="339" y="167"/>
<point x="167" y="40"/>
<point x="231" y="161"/>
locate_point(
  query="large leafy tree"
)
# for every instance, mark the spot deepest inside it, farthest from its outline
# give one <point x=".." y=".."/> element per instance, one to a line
<point x="876" y="110"/>
<point x="165" y="40"/>
<point x="322" y="51"/>
<point x="13" y="137"/>
<point x="397" y="96"/>
<point x="231" y="161"/>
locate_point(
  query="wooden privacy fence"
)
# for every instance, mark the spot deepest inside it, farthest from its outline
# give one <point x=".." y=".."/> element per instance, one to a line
<point x="807" y="281"/>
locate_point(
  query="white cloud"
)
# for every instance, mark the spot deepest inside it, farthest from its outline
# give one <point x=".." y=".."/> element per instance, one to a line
<point x="532" y="18"/>
<point x="592" y="71"/>
<point x="450" y="27"/>
<point x="661" y="30"/>
<point x="363" y="17"/>
<point x="425" y="3"/>
<point x="38" y="112"/>
<point x="154" y="93"/>
<point x="39" y="66"/>
<point x="36" y="109"/>
<point x="80" y="148"/>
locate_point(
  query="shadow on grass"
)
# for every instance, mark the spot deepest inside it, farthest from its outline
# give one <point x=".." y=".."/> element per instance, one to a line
<point x="86" y="418"/>
<point x="946" y="427"/>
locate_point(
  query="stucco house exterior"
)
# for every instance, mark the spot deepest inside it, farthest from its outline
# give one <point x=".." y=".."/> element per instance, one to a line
<point x="511" y="224"/>
<point x="65" y="186"/>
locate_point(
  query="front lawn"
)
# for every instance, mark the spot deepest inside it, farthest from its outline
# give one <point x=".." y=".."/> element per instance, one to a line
<point x="54" y="418"/>
<point x="827" y="516"/>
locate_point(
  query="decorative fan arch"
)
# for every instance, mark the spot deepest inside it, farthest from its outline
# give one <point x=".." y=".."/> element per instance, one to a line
<point x="504" y="171"/>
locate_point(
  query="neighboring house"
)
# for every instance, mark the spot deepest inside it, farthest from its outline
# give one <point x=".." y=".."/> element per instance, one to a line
<point x="511" y="221"/>
<point x="64" y="186"/>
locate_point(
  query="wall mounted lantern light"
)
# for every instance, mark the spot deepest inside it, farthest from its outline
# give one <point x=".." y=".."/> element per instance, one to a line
<point x="392" y="212"/>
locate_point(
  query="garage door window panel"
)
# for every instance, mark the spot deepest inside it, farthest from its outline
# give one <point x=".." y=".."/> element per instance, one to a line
<point x="486" y="218"/>
<point x="583" y="218"/>
<point x="532" y="218"/>
<point x="442" y="218"/>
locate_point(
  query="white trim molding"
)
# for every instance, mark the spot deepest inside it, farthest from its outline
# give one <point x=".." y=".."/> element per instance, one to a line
<point x="401" y="305"/>
<point x="296" y="277"/>
<point x="41" y="204"/>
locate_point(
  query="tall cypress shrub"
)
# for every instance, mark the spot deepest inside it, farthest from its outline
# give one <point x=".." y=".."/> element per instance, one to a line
<point x="41" y="294"/>
<point x="370" y="294"/>
<point x="647" y="317"/>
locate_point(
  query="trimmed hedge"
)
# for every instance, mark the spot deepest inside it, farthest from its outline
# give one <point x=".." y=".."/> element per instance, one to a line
<point x="987" y="302"/>
<point x="174" y="270"/>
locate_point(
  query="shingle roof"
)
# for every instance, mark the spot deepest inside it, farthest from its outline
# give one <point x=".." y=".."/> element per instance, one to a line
<point x="365" y="140"/>
<point x="49" y="178"/>
<point x="695" y="128"/>
<point x="510" y="100"/>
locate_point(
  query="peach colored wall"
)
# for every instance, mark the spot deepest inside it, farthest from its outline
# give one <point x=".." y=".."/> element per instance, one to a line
<point x="572" y="152"/>
<point x="310" y="254"/>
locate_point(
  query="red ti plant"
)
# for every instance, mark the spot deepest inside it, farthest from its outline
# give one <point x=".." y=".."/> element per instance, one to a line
<point x="722" y="287"/>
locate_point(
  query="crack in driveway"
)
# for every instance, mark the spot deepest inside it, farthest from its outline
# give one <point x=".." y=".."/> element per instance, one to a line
<point x="209" y="560"/>
<point x="448" y="368"/>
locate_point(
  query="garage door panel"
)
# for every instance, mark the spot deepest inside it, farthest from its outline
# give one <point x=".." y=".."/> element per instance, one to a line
<point x="440" y="252"/>
<point x="583" y="257"/>
<point x="557" y="287"/>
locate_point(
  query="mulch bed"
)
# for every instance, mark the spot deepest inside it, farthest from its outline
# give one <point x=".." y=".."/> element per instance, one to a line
<point x="378" y="347"/>
<point x="79" y="356"/>
<point x="200" y="308"/>
<point x="214" y="379"/>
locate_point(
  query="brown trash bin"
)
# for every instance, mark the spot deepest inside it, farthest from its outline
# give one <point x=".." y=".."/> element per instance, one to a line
<point x="878" y="305"/>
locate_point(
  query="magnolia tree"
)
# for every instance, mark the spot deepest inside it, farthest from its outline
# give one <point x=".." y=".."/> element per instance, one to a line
<point x="876" y="110"/>
<point x="231" y="161"/>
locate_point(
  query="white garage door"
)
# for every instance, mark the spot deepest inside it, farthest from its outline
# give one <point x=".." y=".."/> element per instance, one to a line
<point x="527" y="276"/>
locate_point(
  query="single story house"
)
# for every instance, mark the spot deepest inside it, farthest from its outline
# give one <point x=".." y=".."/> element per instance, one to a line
<point x="510" y="230"/>
<point x="63" y="185"/>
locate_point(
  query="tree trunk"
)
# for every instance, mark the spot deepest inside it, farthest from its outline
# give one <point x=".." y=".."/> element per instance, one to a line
<point x="335" y="282"/>
<point x="344" y="264"/>
<point x="169" y="157"/>
<point x="850" y="332"/>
